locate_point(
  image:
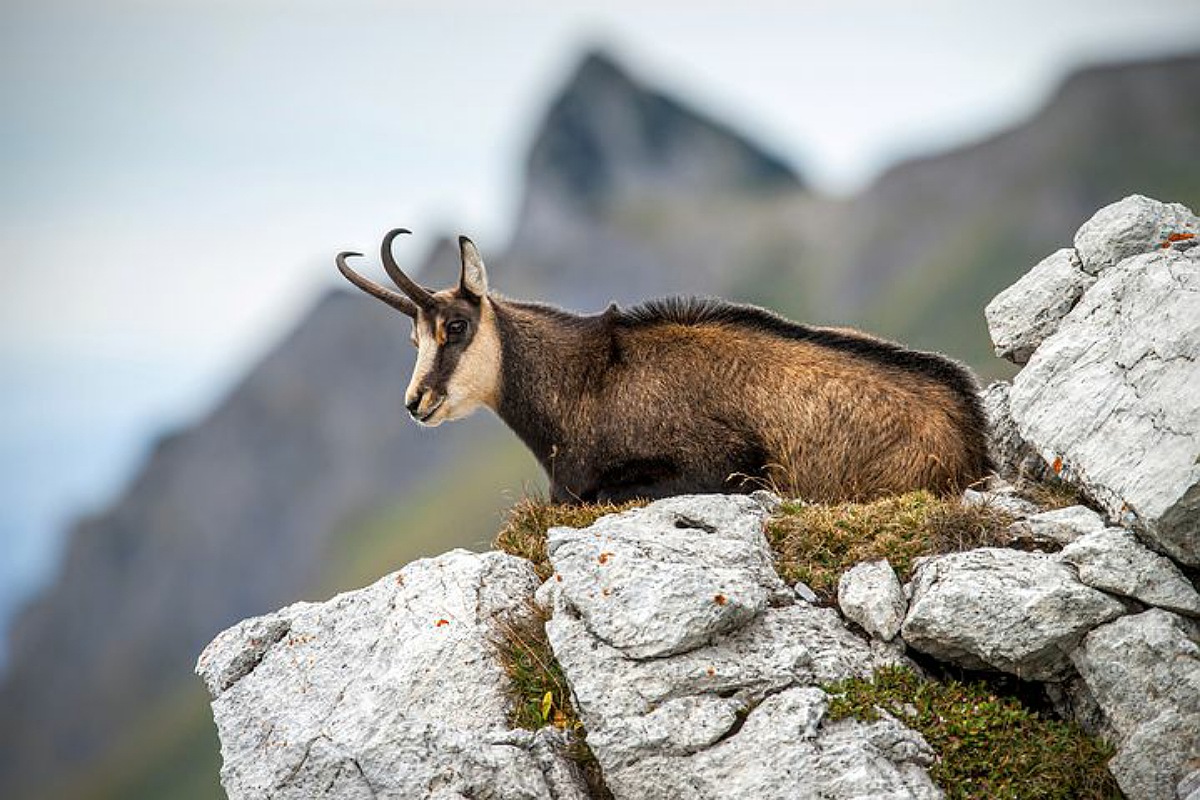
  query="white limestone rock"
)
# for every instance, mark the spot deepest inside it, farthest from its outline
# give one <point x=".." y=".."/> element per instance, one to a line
<point x="1005" y="500"/>
<point x="1144" y="672"/>
<point x="1019" y="612"/>
<point x="1111" y="398"/>
<point x="1115" y="561"/>
<point x="729" y="710"/>
<point x="1128" y="228"/>
<point x="671" y="576"/>
<point x="1024" y="314"/>
<point x="389" y="691"/>
<point x="785" y="751"/>
<point x="869" y="593"/>
<point x="1060" y="526"/>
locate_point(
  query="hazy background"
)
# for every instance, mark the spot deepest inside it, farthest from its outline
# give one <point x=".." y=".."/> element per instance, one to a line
<point x="177" y="175"/>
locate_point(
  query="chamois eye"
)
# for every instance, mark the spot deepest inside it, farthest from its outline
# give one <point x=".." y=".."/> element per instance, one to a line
<point x="456" y="327"/>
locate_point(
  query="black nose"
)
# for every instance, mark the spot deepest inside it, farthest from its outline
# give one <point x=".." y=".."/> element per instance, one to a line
<point x="415" y="403"/>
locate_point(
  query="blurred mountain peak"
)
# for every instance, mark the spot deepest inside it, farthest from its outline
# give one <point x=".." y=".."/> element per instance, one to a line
<point x="607" y="137"/>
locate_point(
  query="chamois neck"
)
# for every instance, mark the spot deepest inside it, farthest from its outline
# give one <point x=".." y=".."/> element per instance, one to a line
<point x="548" y="359"/>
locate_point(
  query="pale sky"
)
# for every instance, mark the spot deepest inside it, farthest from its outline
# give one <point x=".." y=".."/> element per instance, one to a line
<point x="177" y="175"/>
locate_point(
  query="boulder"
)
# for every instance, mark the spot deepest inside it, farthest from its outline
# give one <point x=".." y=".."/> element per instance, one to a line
<point x="1024" y="314"/>
<point x="1110" y="398"/>
<point x="669" y="577"/>
<point x="1115" y="561"/>
<point x="1003" y="498"/>
<point x="1130" y="227"/>
<point x="1144" y="672"/>
<point x="1019" y="612"/>
<point x="1060" y="526"/>
<point x="687" y="715"/>
<point x="869" y="594"/>
<point x="389" y="691"/>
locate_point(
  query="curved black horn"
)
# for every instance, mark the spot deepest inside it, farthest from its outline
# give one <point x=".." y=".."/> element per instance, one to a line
<point x="393" y="299"/>
<point x="421" y="297"/>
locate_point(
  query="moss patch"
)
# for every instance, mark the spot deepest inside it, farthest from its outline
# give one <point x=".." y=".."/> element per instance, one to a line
<point x="539" y="692"/>
<point x="816" y="543"/>
<point x="988" y="746"/>
<point x="526" y="523"/>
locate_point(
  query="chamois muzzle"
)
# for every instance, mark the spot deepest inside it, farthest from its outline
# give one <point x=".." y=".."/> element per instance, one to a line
<point x="417" y="297"/>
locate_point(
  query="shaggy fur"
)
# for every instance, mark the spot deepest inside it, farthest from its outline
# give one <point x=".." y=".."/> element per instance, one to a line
<point x="682" y="396"/>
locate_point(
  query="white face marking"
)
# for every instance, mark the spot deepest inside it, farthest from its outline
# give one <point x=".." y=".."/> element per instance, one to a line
<point x="476" y="381"/>
<point x="476" y="378"/>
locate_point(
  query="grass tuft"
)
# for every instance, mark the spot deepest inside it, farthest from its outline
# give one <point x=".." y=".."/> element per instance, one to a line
<point x="526" y="523"/>
<point x="539" y="691"/>
<point x="816" y="543"/>
<point x="988" y="746"/>
<point x="1052" y="494"/>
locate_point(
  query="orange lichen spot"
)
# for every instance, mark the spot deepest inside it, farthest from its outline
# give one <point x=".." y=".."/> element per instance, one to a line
<point x="441" y="622"/>
<point x="720" y="600"/>
<point x="1057" y="465"/>
<point x="606" y="591"/>
<point x="1177" y="237"/>
<point x="604" y="557"/>
<point x="400" y="578"/>
<point x="558" y="577"/>
<point x="711" y="671"/>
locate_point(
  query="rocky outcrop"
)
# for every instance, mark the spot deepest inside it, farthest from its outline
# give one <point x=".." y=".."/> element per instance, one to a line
<point x="1108" y="402"/>
<point x="389" y="691"/>
<point x="728" y="705"/>
<point x="1108" y="396"/>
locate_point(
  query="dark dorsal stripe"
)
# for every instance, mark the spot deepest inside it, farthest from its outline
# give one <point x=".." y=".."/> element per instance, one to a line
<point x="711" y="311"/>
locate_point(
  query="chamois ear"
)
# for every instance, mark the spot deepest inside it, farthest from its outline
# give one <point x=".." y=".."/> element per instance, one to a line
<point x="474" y="274"/>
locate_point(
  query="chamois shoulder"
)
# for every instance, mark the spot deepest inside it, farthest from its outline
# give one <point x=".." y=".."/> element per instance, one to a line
<point x="713" y="311"/>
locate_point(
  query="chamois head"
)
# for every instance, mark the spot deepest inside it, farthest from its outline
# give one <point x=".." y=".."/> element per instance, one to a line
<point x="454" y="331"/>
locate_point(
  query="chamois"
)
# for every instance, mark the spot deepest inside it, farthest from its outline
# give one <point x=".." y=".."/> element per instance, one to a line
<point x="680" y="396"/>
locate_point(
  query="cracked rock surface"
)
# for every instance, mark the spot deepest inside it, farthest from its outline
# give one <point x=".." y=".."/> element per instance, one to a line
<point x="1144" y="672"/>
<point x="1115" y="561"/>
<point x="685" y="711"/>
<point x="1111" y="398"/>
<point x="1019" y="612"/>
<point x="390" y="691"/>
<point x="1024" y="314"/>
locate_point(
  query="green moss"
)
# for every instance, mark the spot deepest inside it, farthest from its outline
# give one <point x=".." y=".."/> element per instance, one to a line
<point x="988" y="746"/>
<point x="816" y="543"/>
